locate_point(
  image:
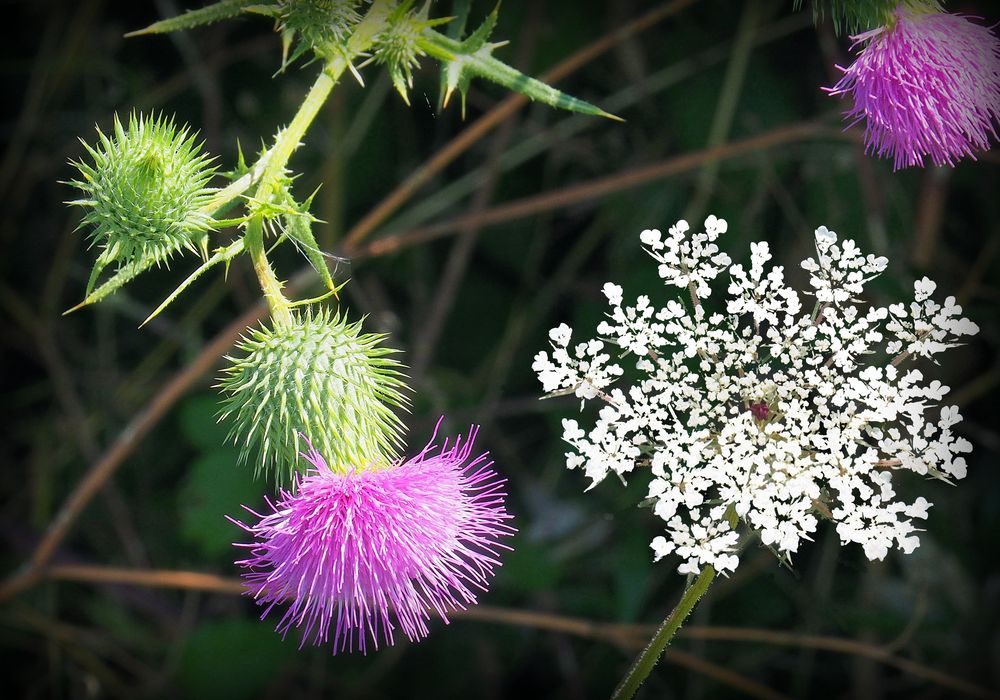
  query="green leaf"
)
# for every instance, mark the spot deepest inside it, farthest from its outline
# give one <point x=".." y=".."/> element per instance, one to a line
<point x="299" y="229"/>
<point x="464" y="60"/>
<point x="205" y="15"/>
<point x="530" y="567"/>
<point x="122" y="276"/>
<point x="232" y="658"/>
<point x="460" y="11"/>
<point x="197" y="422"/>
<point x="221" y="255"/>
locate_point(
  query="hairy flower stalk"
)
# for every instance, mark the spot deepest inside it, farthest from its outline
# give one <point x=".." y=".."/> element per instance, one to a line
<point x="927" y="85"/>
<point x="360" y="554"/>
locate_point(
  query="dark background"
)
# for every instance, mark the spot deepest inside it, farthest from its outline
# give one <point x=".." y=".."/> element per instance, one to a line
<point x="469" y="311"/>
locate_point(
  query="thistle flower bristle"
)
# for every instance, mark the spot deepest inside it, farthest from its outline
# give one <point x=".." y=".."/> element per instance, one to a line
<point x="321" y="376"/>
<point x="927" y="85"/>
<point x="362" y="553"/>
<point x="144" y="189"/>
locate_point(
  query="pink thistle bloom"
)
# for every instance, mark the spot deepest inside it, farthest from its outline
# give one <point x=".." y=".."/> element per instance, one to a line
<point x="927" y="85"/>
<point x="360" y="553"/>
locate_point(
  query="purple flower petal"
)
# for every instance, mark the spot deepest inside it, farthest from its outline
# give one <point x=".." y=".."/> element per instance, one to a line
<point x="928" y="85"/>
<point x="361" y="554"/>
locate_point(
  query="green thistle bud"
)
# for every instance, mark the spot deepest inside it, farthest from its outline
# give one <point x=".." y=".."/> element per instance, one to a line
<point x="398" y="45"/>
<point x="322" y="26"/>
<point x="144" y="191"/>
<point x="321" y="377"/>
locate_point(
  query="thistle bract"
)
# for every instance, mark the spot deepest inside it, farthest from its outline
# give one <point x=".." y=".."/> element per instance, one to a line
<point x="858" y="15"/>
<point x="321" y="376"/>
<point x="398" y="45"/>
<point x="358" y="554"/>
<point x="144" y="190"/>
<point x="927" y="85"/>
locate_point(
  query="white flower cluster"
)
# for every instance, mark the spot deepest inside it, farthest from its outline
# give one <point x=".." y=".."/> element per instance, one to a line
<point x="766" y="415"/>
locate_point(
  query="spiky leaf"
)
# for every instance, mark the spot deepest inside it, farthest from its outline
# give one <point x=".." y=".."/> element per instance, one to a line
<point x="397" y="46"/>
<point x="320" y="26"/>
<point x="322" y="377"/>
<point x="195" y="18"/>
<point x="460" y="9"/>
<point x="473" y="57"/>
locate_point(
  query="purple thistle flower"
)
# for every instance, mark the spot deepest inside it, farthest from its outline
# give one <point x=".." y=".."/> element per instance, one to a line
<point x="357" y="554"/>
<point x="927" y="85"/>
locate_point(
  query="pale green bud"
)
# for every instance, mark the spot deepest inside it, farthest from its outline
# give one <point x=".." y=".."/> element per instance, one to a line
<point x="321" y="26"/>
<point x="321" y="377"/>
<point x="144" y="191"/>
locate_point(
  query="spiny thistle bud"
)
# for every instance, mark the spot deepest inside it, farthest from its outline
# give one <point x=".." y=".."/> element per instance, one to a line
<point x="321" y="377"/>
<point x="398" y="45"/>
<point x="144" y="190"/>
<point x="321" y="26"/>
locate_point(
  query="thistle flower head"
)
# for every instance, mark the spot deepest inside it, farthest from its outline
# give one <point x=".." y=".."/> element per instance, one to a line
<point x="360" y="554"/>
<point x="144" y="190"/>
<point x="761" y="411"/>
<point x="927" y="85"/>
<point x="320" y="376"/>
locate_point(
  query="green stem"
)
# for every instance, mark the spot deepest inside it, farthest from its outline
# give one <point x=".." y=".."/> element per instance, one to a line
<point x="285" y="144"/>
<point x="645" y="662"/>
<point x="224" y="199"/>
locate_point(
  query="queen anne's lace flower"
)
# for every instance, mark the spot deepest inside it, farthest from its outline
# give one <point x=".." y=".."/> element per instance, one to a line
<point x="926" y="85"/>
<point x="765" y="414"/>
<point x="358" y="554"/>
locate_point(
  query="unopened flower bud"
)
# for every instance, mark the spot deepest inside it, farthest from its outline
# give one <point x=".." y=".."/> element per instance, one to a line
<point x="320" y="377"/>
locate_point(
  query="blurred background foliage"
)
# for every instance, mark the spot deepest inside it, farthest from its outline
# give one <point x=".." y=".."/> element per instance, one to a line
<point x="470" y="308"/>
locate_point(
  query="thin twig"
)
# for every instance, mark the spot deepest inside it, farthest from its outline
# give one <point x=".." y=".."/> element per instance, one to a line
<point x="465" y="243"/>
<point x="842" y="646"/>
<point x="168" y="395"/>
<point x="721" y="674"/>
<point x="632" y="635"/>
<point x="600" y="187"/>
<point x="150" y="578"/>
<point x="123" y="446"/>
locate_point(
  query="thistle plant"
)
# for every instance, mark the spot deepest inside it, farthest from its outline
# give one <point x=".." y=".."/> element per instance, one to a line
<point x="761" y="418"/>
<point x="362" y="540"/>
<point x="859" y="15"/>
<point x="926" y="83"/>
